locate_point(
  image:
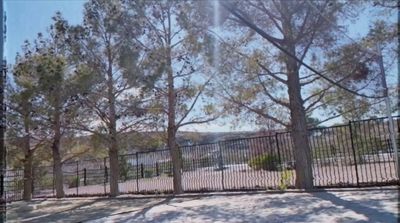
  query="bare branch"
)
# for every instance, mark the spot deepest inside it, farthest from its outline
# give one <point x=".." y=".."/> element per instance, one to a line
<point x="198" y="121"/>
<point x="272" y="74"/>
<point x="257" y="111"/>
<point x="194" y="102"/>
<point x="310" y="81"/>
<point x="285" y="104"/>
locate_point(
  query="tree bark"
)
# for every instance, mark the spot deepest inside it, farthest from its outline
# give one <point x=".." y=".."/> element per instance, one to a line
<point x="171" y="130"/>
<point x="302" y="152"/>
<point x="57" y="168"/>
<point x="114" y="168"/>
<point x="27" y="195"/>
<point x="304" y="176"/>
<point x="113" y="148"/>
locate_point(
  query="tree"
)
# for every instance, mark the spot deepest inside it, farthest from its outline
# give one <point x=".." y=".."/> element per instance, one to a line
<point x="300" y="30"/>
<point x="177" y="43"/>
<point x="364" y="59"/>
<point x="24" y="129"/>
<point x="44" y="65"/>
<point x="117" y="84"/>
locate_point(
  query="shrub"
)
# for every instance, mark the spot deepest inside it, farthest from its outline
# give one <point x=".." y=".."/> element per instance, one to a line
<point x="45" y="182"/>
<point x="148" y="173"/>
<point x="124" y="169"/>
<point x="165" y="167"/>
<point x="73" y="181"/>
<point x="264" y="162"/>
<point x="286" y="175"/>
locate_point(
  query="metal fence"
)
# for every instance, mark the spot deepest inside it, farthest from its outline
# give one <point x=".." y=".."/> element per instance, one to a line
<point x="353" y="155"/>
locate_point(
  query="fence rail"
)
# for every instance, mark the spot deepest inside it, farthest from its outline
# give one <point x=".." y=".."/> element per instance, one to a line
<point x="353" y="155"/>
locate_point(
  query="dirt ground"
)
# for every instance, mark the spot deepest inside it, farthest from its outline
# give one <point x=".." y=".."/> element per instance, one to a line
<point x="344" y="205"/>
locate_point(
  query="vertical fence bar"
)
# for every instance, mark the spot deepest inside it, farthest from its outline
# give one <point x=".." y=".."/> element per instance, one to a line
<point x="221" y="164"/>
<point x="77" y="178"/>
<point x="2" y="187"/>
<point x="137" y="172"/>
<point x="53" y="181"/>
<point x="278" y="150"/>
<point x="32" y="183"/>
<point x="354" y="154"/>
<point x="105" y="175"/>
<point x="84" y="177"/>
<point x="157" y="170"/>
<point x="141" y="170"/>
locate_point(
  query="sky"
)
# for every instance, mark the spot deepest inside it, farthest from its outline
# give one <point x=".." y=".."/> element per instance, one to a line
<point x="25" y="18"/>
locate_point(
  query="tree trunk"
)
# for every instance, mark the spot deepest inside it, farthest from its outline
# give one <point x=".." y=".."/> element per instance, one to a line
<point x="302" y="152"/>
<point x="57" y="164"/>
<point x="171" y="131"/>
<point x="304" y="176"/>
<point x="114" y="169"/>
<point x="113" y="146"/>
<point x="27" y="196"/>
<point x="57" y="168"/>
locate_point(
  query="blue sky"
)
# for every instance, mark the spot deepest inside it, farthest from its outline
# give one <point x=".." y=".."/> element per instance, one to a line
<point x="25" y="18"/>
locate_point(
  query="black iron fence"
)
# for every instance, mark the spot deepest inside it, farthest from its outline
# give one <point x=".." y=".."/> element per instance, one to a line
<point x="353" y="155"/>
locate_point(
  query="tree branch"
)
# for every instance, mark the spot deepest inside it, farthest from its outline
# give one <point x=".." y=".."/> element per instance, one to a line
<point x="285" y="104"/>
<point x="194" y="102"/>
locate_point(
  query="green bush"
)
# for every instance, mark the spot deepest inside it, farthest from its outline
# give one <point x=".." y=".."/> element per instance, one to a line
<point x="45" y="182"/>
<point x="148" y="173"/>
<point x="264" y="162"/>
<point x="73" y="181"/>
<point x="284" y="183"/>
<point x="165" y="167"/>
<point x="124" y="169"/>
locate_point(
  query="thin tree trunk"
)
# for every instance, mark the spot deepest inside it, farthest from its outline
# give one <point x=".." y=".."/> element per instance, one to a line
<point x="113" y="148"/>
<point x="57" y="168"/>
<point x="114" y="169"/>
<point x="55" y="147"/>
<point x="171" y="130"/>
<point x="27" y="195"/>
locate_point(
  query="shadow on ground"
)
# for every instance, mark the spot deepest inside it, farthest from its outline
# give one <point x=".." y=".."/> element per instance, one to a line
<point x="353" y="206"/>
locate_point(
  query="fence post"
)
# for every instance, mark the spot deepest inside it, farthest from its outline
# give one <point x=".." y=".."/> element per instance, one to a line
<point x="2" y="187"/>
<point x="54" y="184"/>
<point x="278" y="149"/>
<point x="142" y="170"/>
<point x="32" y="182"/>
<point x="77" y="177"/>
<point x="354" y="153"/>
<point x="137" y="172"/>
<point x="157" y="170"/>
<point x="84" y="177"/>
<point x="221" y="164"/>
<point x="105" y="175"/>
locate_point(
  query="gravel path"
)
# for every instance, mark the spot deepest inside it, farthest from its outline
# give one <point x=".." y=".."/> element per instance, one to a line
<point x="361" y="205"/>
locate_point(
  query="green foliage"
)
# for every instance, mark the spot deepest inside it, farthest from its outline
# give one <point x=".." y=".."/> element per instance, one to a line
<point x="265" y="162"/>
<point x="165" y="167"/>
<point x="124" y="169"/>
<point x="148" y="173"/>
<point x="284" y="182"/>
<point x="72" y="181"/>
<point x="17" y="184"/>
<point x="46" y="181"/>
